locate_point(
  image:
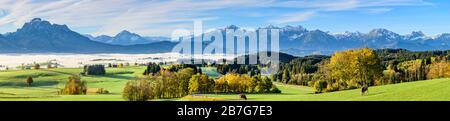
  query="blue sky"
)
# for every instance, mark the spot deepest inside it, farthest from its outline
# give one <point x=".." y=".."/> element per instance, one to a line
<point x="160" y="18"/>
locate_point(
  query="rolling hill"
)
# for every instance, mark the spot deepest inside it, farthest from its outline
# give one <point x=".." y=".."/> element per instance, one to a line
<point x="427" y="90"/>
<point x="47" y="82"/>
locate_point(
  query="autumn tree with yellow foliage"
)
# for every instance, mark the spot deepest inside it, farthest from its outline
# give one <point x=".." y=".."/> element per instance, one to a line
<point x="356" y="67"/>
<point x="439" y="69"/>
<point x="200" y="83"/>
<point x="239" y="83"/>
<point x="351" y="69"/>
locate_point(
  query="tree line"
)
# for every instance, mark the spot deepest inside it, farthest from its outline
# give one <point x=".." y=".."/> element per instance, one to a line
<point x="180" y="80"/>
<point x="238" y="68"/>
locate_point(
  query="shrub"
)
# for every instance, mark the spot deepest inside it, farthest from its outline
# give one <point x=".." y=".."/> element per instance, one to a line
<point x="319" y="86"/>
<point x="74" y="86"/>
<point x="37" y="66"/>
<point x="266" y="84"/>
<point x="29" y="80"/>
<point x="332" y="87"/>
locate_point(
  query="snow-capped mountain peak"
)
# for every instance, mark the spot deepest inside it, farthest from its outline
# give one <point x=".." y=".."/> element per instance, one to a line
<point x="271" y="27"/>
<point x="42" y="25"/>
<point x="415" y="35"/>
<point x="294" y="28"/>
<point x="383" y="33"/>
<point x="442" y="36"/>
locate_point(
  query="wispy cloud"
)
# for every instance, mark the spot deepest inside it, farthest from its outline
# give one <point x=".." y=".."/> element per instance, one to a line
<point x="378" y="10"/>
<point x="160" y="17"/>
<point x="337" y="5"/>
<point x="111" y="16"/>
<point x="310" y="8"/>
<point x="294" y="17"/>
<point x="329" y="5"/>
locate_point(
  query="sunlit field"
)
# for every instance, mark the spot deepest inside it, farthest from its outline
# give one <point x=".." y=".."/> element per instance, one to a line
<point x="47" y="82"/>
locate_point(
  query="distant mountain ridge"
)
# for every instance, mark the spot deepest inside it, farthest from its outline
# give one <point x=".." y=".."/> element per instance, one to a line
<point x="40" y="36"/>
<point x="126" y="38"/>
<point x="316" y="41"/>
<point x="300" y="41"/>
<point x="297" y="40"/>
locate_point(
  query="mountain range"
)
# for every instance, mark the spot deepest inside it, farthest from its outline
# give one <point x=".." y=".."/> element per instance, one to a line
<point x="40" y="36"/>
<point x="126" y="38"/>
<point x="300" y="41"/>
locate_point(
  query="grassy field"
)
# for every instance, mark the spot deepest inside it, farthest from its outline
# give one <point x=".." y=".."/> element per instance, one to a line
<point x="429" y="90"/>
<point x="47" y="82"/>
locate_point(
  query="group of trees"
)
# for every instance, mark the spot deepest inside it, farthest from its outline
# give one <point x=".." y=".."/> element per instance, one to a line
<point x="180" y="80"/>
<point x="396" y="56"/>
<point x="137" y="90"/>
<point x="152" y="68"/>
<point x="299" y="71"/>
<point x="200" y="83"/>
<point x="347" y="70"/>
<point x="161" y="85"/>
<point x="352" y="69"/>
<point x="239" y="83"/>
<point x="412" y="70"/>
<point x="177" y="67"/>
<point x="121" y="65"/>
<point x="439" y="69"/>
<point x="93" y="70"/>
<point x="238" y="68"/>
<point x="37" y="66"/>
<point x="419" y="69"/>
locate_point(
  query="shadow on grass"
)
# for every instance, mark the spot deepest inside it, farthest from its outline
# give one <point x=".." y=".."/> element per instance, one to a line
<point x="34" y="84"/>
<point x="28" y="97"/>
<point x="119" y="72"/>
<point x="35" y="75"/>
<point x="4" y="93"/>
<point x="373" y="94"/>
<point x="116" y="76"/>
<point x="61" y="72"/>
<point x="238" y="99"/>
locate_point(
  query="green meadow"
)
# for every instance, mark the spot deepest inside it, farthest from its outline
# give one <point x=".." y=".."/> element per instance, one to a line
<point x="47" y="82"/>
<point x="429" y="90"/>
